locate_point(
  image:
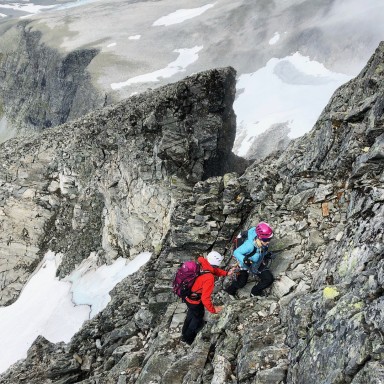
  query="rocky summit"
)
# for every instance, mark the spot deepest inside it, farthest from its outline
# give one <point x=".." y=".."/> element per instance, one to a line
<point x="156" y="172"/>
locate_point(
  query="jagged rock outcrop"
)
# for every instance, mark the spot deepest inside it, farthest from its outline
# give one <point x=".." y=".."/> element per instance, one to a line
<point x="109" y="182"/>
<point x="322" y="321"/>
<point x="327" y="196"/>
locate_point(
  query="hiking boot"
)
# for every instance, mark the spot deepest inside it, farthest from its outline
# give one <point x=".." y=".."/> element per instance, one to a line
<point x="201" y="326"/>
<point x="231" y="293"/>
<point x="231" y="296"/>
<point x="185" y="342"/>
<point x="259" y="296"/>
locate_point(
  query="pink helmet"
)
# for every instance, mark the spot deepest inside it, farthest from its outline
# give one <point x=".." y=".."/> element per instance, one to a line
<point x="264" y="231"/>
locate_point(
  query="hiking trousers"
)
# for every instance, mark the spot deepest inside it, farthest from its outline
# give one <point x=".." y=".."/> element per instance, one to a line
<point x="265" y="280"/>
<point x="193" y="322"/>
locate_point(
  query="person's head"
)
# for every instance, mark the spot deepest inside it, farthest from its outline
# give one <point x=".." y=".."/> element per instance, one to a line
<point x="214" y="258"/>
<point x="264" y="232"/>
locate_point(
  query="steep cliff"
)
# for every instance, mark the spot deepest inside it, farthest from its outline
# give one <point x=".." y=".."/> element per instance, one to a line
<point x="322" y="320"/>
<point x="107" y="183"/>
<point x="41" y="87"/>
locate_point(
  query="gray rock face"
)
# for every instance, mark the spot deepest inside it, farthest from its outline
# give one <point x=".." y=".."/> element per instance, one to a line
<point x="273" y="139"/>
<point x="322" y="320"/>
<point x="40" y="87"/>
<point x="108" y="182"/>
<point x="329" y="185"/>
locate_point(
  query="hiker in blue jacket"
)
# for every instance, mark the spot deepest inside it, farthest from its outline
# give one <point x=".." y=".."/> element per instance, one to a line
<point x="250" y="256"/>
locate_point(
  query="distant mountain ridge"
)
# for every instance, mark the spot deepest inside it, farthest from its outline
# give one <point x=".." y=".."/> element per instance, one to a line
<point x="56" y="66"/>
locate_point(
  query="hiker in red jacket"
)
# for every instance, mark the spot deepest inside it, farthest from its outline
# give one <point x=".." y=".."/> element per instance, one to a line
<point x="201" y="295"/>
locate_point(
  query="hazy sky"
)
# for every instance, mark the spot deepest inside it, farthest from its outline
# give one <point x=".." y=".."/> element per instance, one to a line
<point x="290" y="57"/>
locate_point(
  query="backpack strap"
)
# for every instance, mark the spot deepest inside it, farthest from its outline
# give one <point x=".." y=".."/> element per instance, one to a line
<point x="196" y="295"/>
<point x="260" y="266"/>
<point x="249" y="255"/>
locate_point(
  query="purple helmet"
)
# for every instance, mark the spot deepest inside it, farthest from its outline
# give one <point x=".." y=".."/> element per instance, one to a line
<point x="264" y="231"/>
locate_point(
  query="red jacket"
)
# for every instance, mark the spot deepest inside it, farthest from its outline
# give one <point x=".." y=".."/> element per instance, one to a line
<point x="205" y="283"/>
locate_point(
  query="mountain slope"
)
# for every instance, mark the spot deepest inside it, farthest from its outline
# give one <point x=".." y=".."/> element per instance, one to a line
<point x="321" y="321"/>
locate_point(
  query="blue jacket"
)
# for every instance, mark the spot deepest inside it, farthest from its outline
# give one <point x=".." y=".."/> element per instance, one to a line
<point x="248" y="247"/>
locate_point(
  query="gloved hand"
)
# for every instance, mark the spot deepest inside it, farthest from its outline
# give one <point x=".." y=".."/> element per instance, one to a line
<point x="231" y="271"/>
<point x="268" y="255"/>
<point x="247" y="262"/>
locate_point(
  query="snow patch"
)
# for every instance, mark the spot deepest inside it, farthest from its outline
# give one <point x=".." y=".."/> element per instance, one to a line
<point x="181" y="15"/>
<point x="186" y="57"/>
<point x="275" y="38"/>
<point x="90" y="285"/>
<point x="292" y="90"/>
<point x="76" y="3"/>
<point x="29" y="8"/>
<point x="56" y="309"/>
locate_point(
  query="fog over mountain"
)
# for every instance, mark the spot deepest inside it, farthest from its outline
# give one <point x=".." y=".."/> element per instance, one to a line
<point x="290" y="55"/>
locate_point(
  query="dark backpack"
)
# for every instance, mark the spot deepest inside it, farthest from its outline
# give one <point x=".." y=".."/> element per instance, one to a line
<point x="239" y="240"/>
<point x="184" y="278"/>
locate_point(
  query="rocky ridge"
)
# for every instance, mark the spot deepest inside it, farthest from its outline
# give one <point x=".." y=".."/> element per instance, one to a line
<point x="108" y="183"/>
<point x="321" y="321"/>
